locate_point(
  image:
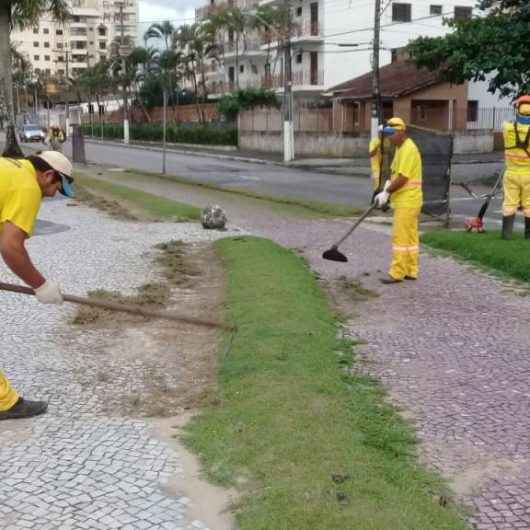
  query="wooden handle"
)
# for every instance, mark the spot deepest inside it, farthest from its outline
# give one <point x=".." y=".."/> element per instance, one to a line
<point x="125" y="308"/>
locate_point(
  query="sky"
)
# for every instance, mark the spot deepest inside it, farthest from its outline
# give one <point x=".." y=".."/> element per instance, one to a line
<point x="178" y="11"/>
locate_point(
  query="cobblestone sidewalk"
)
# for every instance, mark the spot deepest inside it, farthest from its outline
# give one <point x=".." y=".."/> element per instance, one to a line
<point x="453" y="349"/>
<point x="76" y="468"/>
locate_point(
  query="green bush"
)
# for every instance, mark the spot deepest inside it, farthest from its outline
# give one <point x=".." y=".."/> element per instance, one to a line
<point x="231" y="104"/>
<point x="203" y="134"/>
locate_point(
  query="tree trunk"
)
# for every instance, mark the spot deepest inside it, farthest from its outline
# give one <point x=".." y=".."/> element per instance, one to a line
<point x="11" y="149"/>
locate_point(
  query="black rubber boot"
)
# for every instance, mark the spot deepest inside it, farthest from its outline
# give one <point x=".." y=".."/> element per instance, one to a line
<point x="24" y="409"/>
<point x="527" y="227"/>
<point x="507" y="226"/>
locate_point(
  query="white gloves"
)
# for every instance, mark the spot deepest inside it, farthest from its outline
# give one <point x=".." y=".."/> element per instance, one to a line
<point x="49" y="293"/>
<point x="382" y="198"/>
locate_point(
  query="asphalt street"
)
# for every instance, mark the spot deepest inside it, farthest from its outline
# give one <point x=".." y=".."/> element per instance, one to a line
<point x="278" y="180"/>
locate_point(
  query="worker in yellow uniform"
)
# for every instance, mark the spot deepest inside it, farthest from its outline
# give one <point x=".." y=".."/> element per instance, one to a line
<point x="516" y="179"/>
<point x="406" y="199"/>
<point x="23" y="184"/>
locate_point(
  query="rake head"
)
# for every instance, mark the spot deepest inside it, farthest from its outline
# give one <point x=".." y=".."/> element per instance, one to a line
<point x="333" y="254"/>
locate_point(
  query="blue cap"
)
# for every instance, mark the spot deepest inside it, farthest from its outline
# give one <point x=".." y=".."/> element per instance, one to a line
<point x="66" y="186"/>
<point x="389" y="130"/>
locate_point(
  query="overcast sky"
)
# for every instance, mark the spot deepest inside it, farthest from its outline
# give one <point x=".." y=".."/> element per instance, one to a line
<point x="178" y="11"/>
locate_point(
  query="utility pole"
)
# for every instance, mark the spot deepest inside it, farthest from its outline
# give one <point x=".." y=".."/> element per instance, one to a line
<point x="67" y="58"/>
<point x="122" y="52"/>
<point x="288" y="128"/>
<point x="376" y="88"/>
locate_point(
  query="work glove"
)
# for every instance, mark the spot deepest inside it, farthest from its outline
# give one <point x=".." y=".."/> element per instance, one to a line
<point x="49" y="293"/>
<point x="381" y="198"/>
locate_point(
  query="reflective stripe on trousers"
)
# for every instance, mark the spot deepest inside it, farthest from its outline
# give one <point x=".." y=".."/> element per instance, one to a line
<point x="405" y="243"/>
<point x="8" y="396"/>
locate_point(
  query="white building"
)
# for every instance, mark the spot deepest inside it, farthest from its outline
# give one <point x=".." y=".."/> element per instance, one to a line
<point x="82" y="40"/>
<point x="332" y="43"/>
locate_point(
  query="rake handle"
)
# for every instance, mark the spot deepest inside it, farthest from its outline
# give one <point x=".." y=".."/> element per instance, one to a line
<point x="124" y="308"/>
<point x="356" y="224"/>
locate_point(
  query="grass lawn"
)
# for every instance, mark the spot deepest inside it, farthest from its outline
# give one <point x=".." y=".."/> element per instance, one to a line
<point x="508" y="257"/>
<point x="310" y="446"/>
<point x="153" y="205"/>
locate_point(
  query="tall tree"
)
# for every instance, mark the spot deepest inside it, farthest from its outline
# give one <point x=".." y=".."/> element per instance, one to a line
<point x="163" y="31"/>
<point x="493" y="46"/>
<point x="19" y="13"/>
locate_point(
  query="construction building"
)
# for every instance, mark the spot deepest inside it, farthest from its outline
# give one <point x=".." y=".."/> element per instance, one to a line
<point x="54" y="47"/>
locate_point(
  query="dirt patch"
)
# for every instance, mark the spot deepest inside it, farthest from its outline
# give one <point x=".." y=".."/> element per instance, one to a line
<point x="105" y="203"/>
<point x="209" y="503"/>
<point x="345" y="294"/>
<point x="148" y="367"/>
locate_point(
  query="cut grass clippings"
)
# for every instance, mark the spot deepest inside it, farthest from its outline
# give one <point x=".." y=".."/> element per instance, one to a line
<point x="311" y="446"/>
<point x="153" y="205"/>
<point x="510" y="258"/>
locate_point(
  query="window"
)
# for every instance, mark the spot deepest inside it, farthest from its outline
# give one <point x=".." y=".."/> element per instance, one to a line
<point x="46" y="57"/>
<point x="435" y="10"/>
<point x="35" y="31"/>
<point x="103" y="45"/>
<point x="102" y="32"/>
<point x="60" y="71"/>
<point x="46" y="31"/>
<point x="60" y="45"/>
<point x="35" y="44"/>
<point x="46" y="44"/>
<point x="299" y="58"/>
<point x="299" y="11"/>
<point x="58" y="31"/>
<point x="48" y="71"/>
<point x="472" y="111"/>
<point x="254" y="68"/>
<point x="60" y="59"/>
<point x="36" y="57"/>
<point x="37" y="70"/>
<point x="463" y="13"/>
<point x="401" y="12"/>
<point x="241" y="68"/>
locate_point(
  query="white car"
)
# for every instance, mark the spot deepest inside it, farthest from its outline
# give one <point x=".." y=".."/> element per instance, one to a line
<point x="31" y="133"/>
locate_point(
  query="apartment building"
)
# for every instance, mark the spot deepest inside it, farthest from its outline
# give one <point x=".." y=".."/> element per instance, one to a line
<point x="82" y="40"/>
<point x="331" y="41"/>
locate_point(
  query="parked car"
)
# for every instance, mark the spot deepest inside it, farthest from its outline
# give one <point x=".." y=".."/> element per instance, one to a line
<point x="31" y="133"/>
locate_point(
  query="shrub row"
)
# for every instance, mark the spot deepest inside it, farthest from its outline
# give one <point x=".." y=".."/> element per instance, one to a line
<point x="204" y="134"/>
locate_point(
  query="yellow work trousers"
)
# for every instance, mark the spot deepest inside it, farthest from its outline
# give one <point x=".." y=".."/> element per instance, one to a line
<point x="405" y="243"/>
<point x="516" y="193"/>
<point x="8" y="396"/>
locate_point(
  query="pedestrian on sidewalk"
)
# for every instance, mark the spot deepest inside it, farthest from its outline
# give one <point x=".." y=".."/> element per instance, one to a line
<point x="406" y="199"/>
<point x="56" y="138"/>
<point x="516" y="179"/>
<point x="23" y="184"/>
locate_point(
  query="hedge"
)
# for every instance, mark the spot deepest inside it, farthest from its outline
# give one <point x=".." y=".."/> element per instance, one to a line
<point x="205" y="134"/>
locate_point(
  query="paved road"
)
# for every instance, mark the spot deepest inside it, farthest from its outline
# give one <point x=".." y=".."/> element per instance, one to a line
<point x="277" y="180"/>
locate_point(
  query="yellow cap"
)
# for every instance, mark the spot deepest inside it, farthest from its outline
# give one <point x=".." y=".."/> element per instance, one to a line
<point x="396" y="123"/>
<point x="524" y="109"/>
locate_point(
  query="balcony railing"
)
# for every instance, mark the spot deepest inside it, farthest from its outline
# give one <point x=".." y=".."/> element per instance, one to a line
<point x="300" y="78"/>
<point x="244" y="46"/>
<point x="306" y="29"/>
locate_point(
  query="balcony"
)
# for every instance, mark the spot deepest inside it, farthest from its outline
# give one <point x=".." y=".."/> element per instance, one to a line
<point x="247" y="48"/>
<point x="306" y="31"/>
<point x="302" y="80"/>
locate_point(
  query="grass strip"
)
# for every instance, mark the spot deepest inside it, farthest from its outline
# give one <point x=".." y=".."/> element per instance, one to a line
<point x="311" y="444"/>
<point x="324" y="209"/>
<point x="153" y="205"/>
<point x="488" y="249"/>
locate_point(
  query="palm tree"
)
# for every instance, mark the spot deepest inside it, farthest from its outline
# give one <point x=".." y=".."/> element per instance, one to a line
<point x="163" y="31"/>
<point x="20" y="13"/>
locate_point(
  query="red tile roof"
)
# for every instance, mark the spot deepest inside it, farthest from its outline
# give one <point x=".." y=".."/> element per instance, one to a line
<point x="396" y="79"/>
